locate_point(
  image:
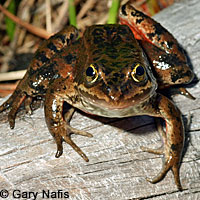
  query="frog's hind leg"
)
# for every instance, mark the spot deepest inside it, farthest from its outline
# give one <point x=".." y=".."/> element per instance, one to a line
<point x="19" y="96"/>
<point x="14" y="102"/>
<point x="168" y="60"/>
<point x="147" y="29"/>
<point x="15" y="106"/>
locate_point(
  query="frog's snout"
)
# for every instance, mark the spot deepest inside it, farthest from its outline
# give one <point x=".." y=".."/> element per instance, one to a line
<point x="114" y="94"/>
<point x="115" y="88"/>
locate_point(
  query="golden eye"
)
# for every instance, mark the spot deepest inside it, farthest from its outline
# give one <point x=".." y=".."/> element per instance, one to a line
<point x="138" y="73"/>
<point x="91" y="74"/>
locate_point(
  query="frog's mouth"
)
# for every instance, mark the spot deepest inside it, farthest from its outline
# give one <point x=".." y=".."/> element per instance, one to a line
<point x="113" y="107"/>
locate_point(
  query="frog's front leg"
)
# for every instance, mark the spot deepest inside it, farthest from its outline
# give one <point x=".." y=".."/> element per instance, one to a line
<point x="173" y="139"/>
<point x="58" y="123"/>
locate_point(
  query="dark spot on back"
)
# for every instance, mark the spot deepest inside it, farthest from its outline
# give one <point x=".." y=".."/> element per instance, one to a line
<point x="61" y="37"/>
<point x="110" y="83"/>
<point x="170" y="44"/>
<point x="68" y="40"/>
<point x="98" y="40"/>
<point x="174" y="147"/>
<point x="42" y="57"/>
<point x="138" y="21"/>
<point x="97" y="31"/>
<point x="158" y="31"/>
<point x="52" y="47"/>
<point x="133" y="14"/>
<point x="64" y="88"/>
<point x="71" y="36"/>
<point x="123" y="9"/>
<point x="109" y="31"/>
<point x="151" y="35"/>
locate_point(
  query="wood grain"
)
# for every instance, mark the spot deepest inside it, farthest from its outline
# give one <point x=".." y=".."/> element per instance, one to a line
<point x="117" y="166"/>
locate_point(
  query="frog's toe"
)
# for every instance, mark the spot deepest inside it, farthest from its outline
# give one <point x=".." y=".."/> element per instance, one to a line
<point x="161" y="175"/>
<point x="6" y="105"/>
<point x="27" y="104"/>
<point x="63" y="134"/>
<point x="59" y="152"/>
<point x="184" y="92"/>
<point x="78" y="132"/>
<point x="14" y="108"/>
<point x="69" y="141"/>
<point x="66" y="137"/>
<point x="158" y="151"/>
<point x="11" y="119"/>
<point x="14" y="102"/>
<point x="12" y="114"/>
<point x="169" y="163"/>
<point x="175" y="170"/>
<point x="58" y="140"/>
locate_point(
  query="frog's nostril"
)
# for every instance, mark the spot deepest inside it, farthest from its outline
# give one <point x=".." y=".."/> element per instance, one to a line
<point x="114" y="95"/>
<point x="112" y="92"/>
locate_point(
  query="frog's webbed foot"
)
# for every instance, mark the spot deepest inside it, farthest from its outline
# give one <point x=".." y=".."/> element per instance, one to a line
<point x="64" y="135"/>
<point x="169" y="163"/>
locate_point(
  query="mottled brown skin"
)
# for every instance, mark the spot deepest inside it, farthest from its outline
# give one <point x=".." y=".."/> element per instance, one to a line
<point x="107" y="73"/>
<point x="160" y="46"/>
<point x="36" y="80"/>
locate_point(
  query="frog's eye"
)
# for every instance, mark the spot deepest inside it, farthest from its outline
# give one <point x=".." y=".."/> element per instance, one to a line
<point x="91" y="74"/>
<point x="138" y="73"/>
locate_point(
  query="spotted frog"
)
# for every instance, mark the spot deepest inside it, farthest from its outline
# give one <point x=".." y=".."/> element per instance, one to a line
<point x="112" y="71"/>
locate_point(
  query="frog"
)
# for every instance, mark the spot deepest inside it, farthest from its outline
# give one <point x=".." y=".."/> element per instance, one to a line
<point x="114" y="71"/>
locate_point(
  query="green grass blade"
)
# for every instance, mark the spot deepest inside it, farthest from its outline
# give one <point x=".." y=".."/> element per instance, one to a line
<point x="72" y="13"/>
<point x="10" y="25"/>
<point x="113" y="12"/>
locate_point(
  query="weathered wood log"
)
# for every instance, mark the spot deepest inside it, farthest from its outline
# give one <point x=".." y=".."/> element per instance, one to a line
<point x="117" y="166"/>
